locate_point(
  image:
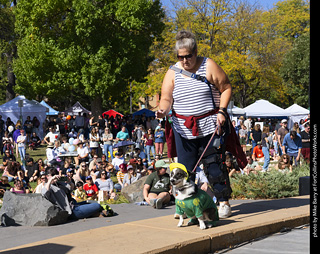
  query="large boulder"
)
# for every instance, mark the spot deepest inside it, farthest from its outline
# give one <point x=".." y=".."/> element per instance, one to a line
<point x="30" y="210"/>
<point x="134" y="191"/>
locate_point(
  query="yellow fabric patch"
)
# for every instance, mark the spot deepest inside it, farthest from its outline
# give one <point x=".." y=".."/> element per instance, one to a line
<point x="196" y="202"/>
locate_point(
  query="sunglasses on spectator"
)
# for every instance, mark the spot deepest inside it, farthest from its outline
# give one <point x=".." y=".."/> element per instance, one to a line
<point x="187" y="57"/>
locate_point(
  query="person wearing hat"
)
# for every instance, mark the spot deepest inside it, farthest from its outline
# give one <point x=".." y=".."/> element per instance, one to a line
<point x="131" y="176"/>
<point x="90" y="188"/>
<point x="257" y="154"/>
<point x="157" y="186"/>
<point x="282" y="131"/>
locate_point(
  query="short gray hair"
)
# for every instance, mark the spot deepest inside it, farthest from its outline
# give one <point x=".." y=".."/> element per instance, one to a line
<point x="186" y="40"/>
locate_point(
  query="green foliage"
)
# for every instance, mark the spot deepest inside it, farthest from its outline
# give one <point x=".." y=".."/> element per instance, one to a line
<point x="249" y="43"/>
<point x="84" y="47"/>
<point x="295" y="70"/>
<point x="272" y="184"/>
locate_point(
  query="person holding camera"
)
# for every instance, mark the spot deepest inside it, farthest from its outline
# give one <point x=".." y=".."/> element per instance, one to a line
<point x="59" y="193"/>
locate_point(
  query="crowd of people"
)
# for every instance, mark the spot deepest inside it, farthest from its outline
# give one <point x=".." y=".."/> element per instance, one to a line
<point x="82" y="150"/>
<point x="272" y="142"/>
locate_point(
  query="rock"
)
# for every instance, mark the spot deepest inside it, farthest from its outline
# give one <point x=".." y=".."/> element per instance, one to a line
<point x="134" y="191"/>
<point x="30" y="210"/>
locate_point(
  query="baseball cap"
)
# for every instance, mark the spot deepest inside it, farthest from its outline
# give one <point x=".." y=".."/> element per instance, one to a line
<point x="161" y="164"/>
<point x="88" y="177"/>
<point x="284" y="121"/>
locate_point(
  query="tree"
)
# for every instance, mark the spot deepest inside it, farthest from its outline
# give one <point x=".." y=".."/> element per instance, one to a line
<point x="7" y="49"/>
<point x="295" y="71"/>
<point x="93" y="48"/>
<point x="248" y="42"/>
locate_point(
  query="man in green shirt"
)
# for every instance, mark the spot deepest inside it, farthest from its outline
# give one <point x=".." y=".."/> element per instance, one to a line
<point x="157" y="186"/>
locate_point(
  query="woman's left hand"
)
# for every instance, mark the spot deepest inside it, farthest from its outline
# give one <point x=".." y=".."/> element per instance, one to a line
<point x="221" y="119"/>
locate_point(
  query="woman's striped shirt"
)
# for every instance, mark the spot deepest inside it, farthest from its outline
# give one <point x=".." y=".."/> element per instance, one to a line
<point x="192" y="97"/>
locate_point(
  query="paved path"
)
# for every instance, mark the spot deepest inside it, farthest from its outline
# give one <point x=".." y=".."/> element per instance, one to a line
<point x="296" y="241"/>
<point x="139" y="229"/>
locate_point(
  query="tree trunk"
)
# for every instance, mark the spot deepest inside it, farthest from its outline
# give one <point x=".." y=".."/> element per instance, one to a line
<point x="10" y="94"/>
<point x="96" y="105"/>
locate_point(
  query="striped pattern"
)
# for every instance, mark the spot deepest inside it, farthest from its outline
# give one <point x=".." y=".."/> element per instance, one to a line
<point x="192" y="97"/>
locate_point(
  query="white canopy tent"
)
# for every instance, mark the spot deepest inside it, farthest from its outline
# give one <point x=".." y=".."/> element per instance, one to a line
<point x="296" y="113"/>
<point x="29" y="108"/>
<point x="265" y="109"/>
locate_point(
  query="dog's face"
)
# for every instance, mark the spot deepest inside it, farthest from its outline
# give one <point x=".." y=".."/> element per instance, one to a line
<point x="178" y="177"/>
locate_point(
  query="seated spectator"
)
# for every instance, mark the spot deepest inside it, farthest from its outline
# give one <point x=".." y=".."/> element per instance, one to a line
<point x="4" y="185"/>
<point x="83" y="171"/>
<point x="117" y="161"/>
<point x="6" y="158"/>
<point x="105" y="184"/>
<point x="91" y="189"/>
<point x="60" y="194"/>
<point x="18" y="187"/>
<point x="149" y="171"/>
<point x="122" y="135"/>
<point x="40" y="165"/>
<point x="157" y="186"/>
<point x="21" y="176"/>
<point x="120" y="175"/>
<point x="130" y="177"/>
<point x="70" y="173"/>
<point x="141" y="167"/>
<point x="83" y="153"/>
<point x="35" y="141"/>
<point x="65" y="144"/>
<point x="139" y="154"/>
<point x="31" y="172"/>
<point x="257" y="154"/>
<point x="252" y="166"/>
<point x="94" y="163"/>
<point x="72" y="133"/>
<point x="285" y="163"/>
<point x="41" y="185"/>
<point x="232" y="168"/>
<point x="11" y="170"/>
<point x="80" y="194"/>
<point x="53" y="151"/>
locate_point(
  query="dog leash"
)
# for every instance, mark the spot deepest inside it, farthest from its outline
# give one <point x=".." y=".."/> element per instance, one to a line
<point x="215" y="132"/>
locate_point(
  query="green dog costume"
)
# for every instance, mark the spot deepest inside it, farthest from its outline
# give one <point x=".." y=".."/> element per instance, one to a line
<point x="195" y="205"/>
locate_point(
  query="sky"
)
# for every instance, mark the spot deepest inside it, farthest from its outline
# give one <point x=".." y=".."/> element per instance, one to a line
<point x="266" y="4"/>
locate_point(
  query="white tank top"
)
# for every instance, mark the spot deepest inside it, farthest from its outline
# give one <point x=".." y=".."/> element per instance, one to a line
<point x="192" y="97"/>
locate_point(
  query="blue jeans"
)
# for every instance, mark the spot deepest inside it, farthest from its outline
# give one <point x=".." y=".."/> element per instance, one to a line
<point x="148" y="148"/>
<point x="107" y="148"/>
<point x="188" y="155"/>
<point x="85" y="210"/>
<point x="265" y="151"/>
<point x="22" y="152"/>
<point x="254" y="144"/>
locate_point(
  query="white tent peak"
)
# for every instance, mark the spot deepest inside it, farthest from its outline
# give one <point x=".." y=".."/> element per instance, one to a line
<point x="295" y="109"/>
<point x="265" y="109"/>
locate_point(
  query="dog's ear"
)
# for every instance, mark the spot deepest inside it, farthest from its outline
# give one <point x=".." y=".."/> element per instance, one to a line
<point x="191" y="173"/>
